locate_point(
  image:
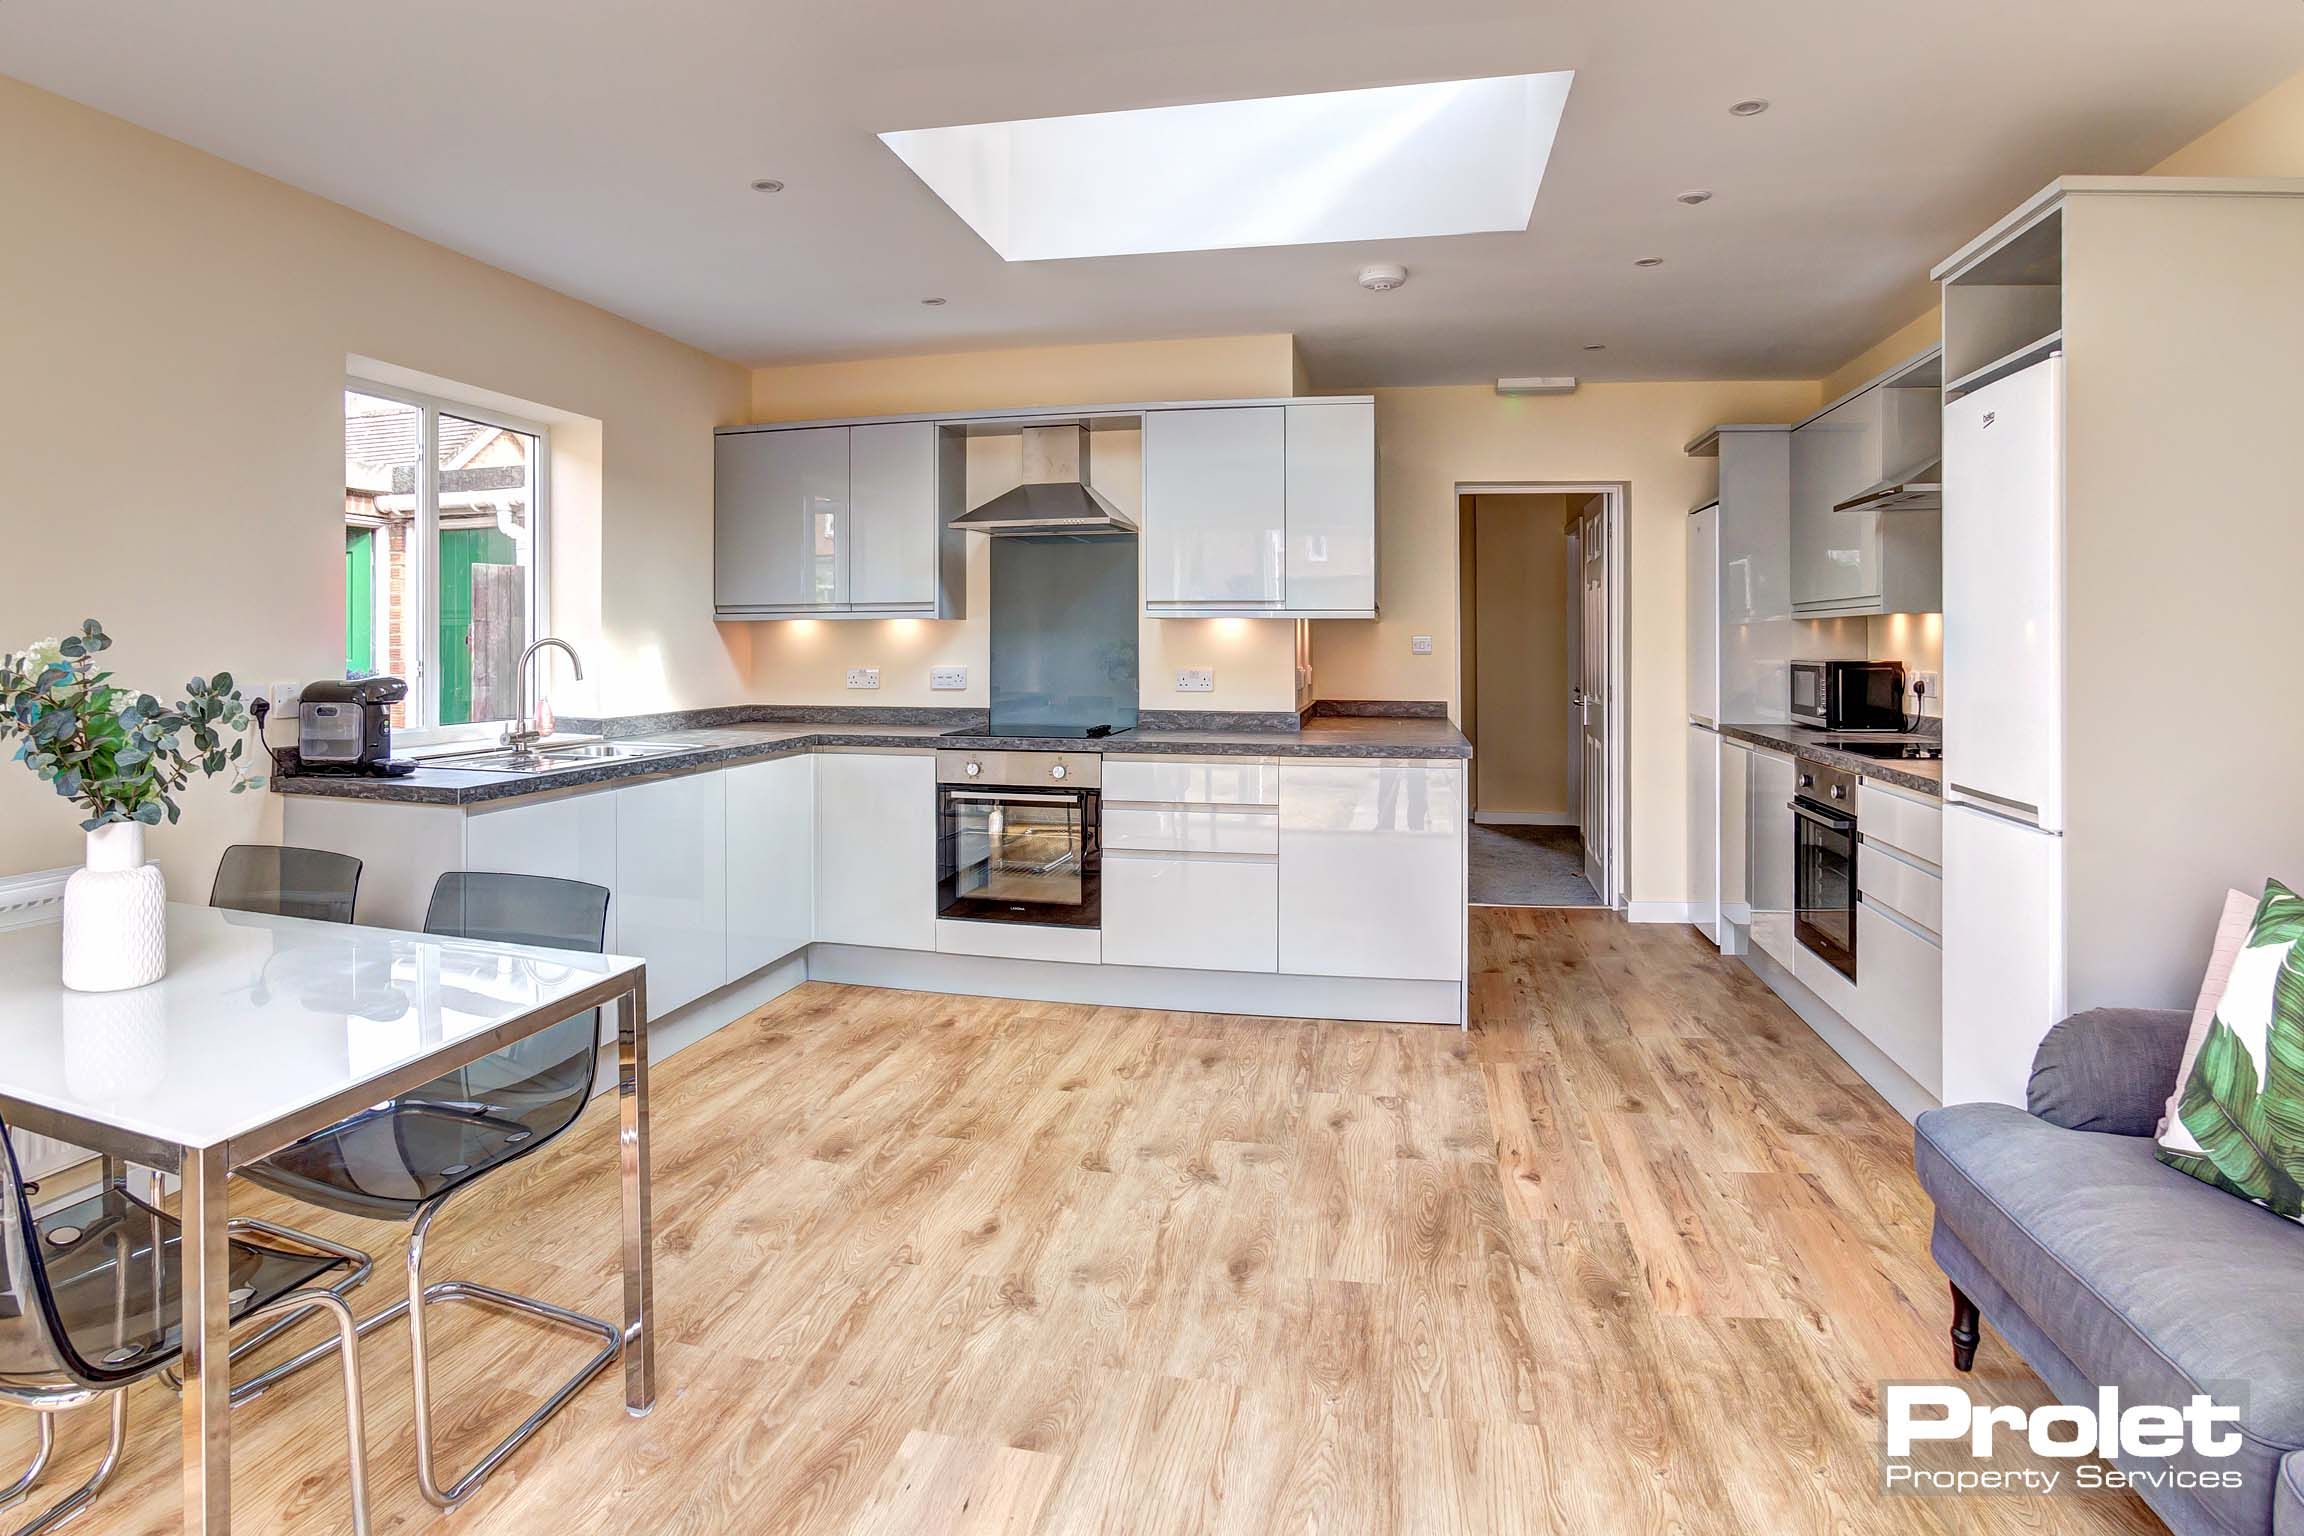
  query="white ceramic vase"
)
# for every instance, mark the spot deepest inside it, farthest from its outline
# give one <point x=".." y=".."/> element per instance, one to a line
<point x="115" y="915"/>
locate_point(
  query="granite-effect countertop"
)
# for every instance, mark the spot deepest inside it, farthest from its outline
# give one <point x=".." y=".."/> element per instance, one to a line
<point x="1925" y="776"/>
<point x="721" y="745"/>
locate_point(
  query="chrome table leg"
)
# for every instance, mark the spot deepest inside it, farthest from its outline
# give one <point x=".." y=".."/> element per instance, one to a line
<point x="206" y="1360"/>
<point x="639" y="1239"/>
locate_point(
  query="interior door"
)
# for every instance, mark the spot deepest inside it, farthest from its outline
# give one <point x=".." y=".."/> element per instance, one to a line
<point x="1592" y="544"/>
<point x="1572" y="610"/>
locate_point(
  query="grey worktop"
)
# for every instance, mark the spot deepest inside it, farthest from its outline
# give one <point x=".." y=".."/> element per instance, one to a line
<point x="1924" y="777"/>
<point x="721" y="745"/>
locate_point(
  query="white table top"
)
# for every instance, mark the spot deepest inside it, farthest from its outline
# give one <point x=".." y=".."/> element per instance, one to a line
<point x="258" y="1017"/>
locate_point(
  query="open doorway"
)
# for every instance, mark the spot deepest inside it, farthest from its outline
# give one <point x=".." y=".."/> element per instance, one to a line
<point x="1540" y="652"/>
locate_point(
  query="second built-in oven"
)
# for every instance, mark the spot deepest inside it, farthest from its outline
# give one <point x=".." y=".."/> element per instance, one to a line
<point x="1824" y="847"/>
<point x="1018" y="838"/>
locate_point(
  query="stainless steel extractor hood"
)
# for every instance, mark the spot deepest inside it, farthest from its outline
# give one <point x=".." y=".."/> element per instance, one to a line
<point x="1920" y="491"/>
<point x="1055" y="497"/>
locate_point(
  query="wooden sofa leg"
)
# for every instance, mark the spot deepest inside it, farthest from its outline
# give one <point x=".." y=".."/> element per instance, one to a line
<point x="1964" y="1332"/>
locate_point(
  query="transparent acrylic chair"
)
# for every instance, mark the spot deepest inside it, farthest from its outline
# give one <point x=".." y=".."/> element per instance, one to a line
<point x="406" y="1159"/>
<point x="286" y="882"/>
<point x="90" y="1304"/>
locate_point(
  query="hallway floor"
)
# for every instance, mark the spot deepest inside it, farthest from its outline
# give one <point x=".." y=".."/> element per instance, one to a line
<point x="1529" y="867"/>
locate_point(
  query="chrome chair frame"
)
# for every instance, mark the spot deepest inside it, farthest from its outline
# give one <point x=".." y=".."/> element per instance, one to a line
<point x="286" y="1311"/>
<point x="440" y="1292"/>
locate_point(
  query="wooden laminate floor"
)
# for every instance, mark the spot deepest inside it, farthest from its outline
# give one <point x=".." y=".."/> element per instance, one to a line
<point x="1631" y="1256"/>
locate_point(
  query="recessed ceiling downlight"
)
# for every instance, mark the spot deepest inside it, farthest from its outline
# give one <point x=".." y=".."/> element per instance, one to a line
<point x="932" y="303"/>
<point x="1393" y="162"/>
<point x="1595" y="346"/>
<point x="1383" y="277"/>
<point x="1693" y="197"/>
<point x="767" y="184"/>
<point x="1649" y="261"/>
<point x="1750" y="106"/>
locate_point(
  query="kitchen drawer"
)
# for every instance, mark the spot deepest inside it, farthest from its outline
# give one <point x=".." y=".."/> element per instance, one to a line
<point x="1912" y="891"/>
<point x="1184" y="781"/>
<point x="1173" y="830"/>
<point x="1201" y="914"/>
<point x="1904" y="822"/>
<point x="1900" y="995"/>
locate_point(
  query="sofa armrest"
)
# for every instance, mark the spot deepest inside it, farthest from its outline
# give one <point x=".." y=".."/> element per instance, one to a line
<point x="2109" y="1070"/>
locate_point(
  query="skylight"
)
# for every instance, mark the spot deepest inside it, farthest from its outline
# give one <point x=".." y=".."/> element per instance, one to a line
<point x="1456" y="157"/>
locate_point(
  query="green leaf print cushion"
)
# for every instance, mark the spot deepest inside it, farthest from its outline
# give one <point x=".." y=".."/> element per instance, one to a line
<point x="2240" y="1120"/>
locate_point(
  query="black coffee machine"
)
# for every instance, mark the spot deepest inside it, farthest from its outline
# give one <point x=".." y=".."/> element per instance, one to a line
<point x="347" y="728"/>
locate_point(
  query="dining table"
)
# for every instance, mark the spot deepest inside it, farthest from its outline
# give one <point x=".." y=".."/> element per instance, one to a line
<point x="264" y="1030"/>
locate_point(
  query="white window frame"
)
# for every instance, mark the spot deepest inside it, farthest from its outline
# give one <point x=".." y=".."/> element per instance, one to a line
<point x="424" y="728"/>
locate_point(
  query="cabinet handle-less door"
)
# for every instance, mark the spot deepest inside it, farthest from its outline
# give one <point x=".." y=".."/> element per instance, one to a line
<point x="780" y="520"/>
<point x="892" y="515"/>
<point x="1331" y="508"/>
<point x="1215" y="507"/>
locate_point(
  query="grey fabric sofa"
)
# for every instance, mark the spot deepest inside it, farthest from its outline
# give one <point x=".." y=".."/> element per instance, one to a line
<point x="2101" y="1266"/>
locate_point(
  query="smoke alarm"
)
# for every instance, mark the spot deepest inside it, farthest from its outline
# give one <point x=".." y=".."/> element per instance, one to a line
<point x="1382" y="279"/>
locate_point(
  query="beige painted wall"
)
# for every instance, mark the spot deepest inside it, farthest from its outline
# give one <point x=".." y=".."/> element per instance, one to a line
<point x="1915" y="639"/>
<point x="1428" y="441"/>
<point x="177" y="330"/>
<point x="1519" y="624"/>
<point x="807" y="661"/>
<point x="2264" y="138"/>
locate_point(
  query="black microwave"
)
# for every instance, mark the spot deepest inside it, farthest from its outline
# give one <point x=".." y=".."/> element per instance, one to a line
<point x="1848" y="695"/>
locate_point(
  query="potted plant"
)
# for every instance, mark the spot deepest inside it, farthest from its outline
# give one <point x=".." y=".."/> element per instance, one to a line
<point x="122" y="757"/>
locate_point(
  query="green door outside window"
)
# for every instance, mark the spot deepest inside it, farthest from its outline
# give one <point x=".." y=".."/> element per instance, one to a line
<point x="460" y="550"/>
<point x="359" y="601"/>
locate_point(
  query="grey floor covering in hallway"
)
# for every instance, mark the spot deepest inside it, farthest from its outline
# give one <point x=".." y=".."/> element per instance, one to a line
<point x="1529" y="867"/>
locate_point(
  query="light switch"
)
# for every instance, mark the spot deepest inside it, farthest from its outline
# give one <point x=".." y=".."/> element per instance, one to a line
<point x="1196" y="680"/>
<point x="944" y="679"/>
<point x="863" y="677"/>
<point x="1419" y="645"/>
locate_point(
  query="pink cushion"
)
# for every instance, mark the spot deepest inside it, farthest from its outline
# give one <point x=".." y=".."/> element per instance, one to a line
<point x="2232" y="931"/>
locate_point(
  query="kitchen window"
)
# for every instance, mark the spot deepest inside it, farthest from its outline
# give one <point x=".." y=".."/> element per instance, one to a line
<point x="445" y="540"/>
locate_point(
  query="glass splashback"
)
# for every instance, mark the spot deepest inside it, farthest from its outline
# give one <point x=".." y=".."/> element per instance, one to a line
<point x="1064" y="631"/>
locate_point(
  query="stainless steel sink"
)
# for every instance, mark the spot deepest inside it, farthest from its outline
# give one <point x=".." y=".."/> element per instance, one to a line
<point x="549" y="759"/>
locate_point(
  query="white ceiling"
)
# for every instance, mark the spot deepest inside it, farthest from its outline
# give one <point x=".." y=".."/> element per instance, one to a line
<point x="606" y="150"/>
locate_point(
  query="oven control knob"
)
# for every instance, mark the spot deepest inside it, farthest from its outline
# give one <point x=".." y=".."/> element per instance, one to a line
<point x="1057" y="771"/>
<point x="974" y="768"/>
<point x="1839" y="791"/>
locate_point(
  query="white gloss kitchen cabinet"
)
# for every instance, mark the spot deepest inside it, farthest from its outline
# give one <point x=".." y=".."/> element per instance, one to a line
<point x="1856" y="548"/>
<point x="671" y="892"/>
<point x="1372" y="869"/>
<point x="876" y="849"/>
<point x="771" y="860"/>
<point x="1264" y="510"/>
<point x="1191" y="864"/>
<point x="838" y="522"/>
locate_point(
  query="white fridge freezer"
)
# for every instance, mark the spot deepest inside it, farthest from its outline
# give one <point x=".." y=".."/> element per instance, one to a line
<point x="2003" y="951"/>
<point x="2004" y="596"/>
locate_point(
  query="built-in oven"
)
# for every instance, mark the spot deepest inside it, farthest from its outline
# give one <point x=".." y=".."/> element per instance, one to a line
<point x="1824" y="845"/>
<point x="1017" y="838"/>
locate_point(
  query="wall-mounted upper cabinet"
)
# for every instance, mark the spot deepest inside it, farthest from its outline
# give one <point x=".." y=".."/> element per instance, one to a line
<point x="1883" y="557"/>
<point x="1261" y="511"/>
<point x="841" y="522"/>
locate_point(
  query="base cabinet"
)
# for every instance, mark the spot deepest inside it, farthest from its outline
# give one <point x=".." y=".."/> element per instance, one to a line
<point x="876" y="850"/>
<point x="1372" y="869"/>
<point x="1207" y="914"/>
<point x="771" y="861"/>
<point x="671" y="885"/>
<point x="1768" y="871"/>
<point x="1900" y="994"/>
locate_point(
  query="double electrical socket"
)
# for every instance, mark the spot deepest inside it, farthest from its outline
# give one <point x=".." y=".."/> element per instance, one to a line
<point x="863" y="677"/>
<point x="1196" y="680"/>
<point x="945" y="679"/>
